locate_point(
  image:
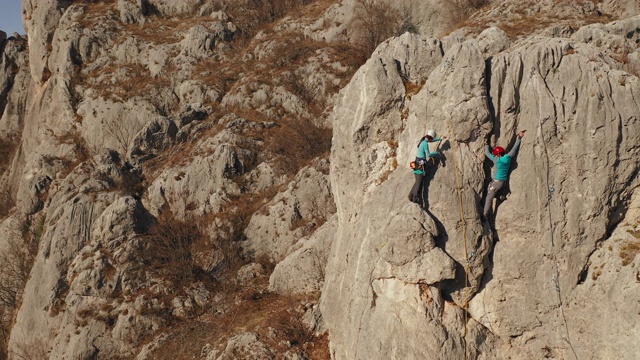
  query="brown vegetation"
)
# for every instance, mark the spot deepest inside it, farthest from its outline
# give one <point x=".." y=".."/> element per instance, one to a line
<point x="521" y="21"/>
<point x="167" y="249"/>
<point x="79" y="146"/>
<point x="630" y="249"/>
<point x="8" y="147"/>
<point x="251" y="309"/>
<point x="16" y="263"/>
<point x="251" y="15"/>
<point x="374" y="22"/>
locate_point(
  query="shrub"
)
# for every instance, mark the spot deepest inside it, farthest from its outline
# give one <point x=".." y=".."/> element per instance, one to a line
<point x="251" y="15"/>
<point x="79" y="145"/>
<point x="167" y="249"/>
<point x="294" y="143"/>
<point x="17" y="261"/>
<point x="629" y="251"/>
<point x="131" y="182"/>
<point x="6" y="203"/>
<point x="374" y="22"/>
<point x="8" y="146"/>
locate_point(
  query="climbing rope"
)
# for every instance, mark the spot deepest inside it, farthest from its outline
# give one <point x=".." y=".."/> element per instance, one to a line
<point x="555" y="278"/>
<point x="467" y="270"/>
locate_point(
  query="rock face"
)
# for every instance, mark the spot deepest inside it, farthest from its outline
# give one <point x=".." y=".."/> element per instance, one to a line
<point x="411" y="271"/>
<point x="116" y="115"/>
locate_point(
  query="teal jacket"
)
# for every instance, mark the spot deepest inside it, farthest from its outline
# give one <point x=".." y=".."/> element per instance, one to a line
<point x="424" y="152"/>
<point x="423" y="149"/>
<point x="502" y="163"/>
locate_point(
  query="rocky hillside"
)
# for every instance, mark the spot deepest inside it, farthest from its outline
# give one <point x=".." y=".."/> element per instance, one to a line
<point x="199" y="179"/>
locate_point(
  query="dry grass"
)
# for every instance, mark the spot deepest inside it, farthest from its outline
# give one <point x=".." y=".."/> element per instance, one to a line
<point x="630" y="249"/>
<point x="167" y="249"/>
<point x="35" y="349"/>
<point x="16" y="263"/>
<point x="373" y="23"/>
<point x="79" y="146"/>
<point x="523" y="22"/>
<point x="250" y="16"/>
<point x="8" y="147"/>
<point x="249" y="310"/>
<point x="118" y="82"/>
<point x="293" y="144"/>
<point x="96" y="11"/>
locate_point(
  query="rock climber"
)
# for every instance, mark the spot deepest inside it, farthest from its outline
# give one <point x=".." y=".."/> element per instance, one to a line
<point x="500" y="173"/>
<point x="424" y="158"/>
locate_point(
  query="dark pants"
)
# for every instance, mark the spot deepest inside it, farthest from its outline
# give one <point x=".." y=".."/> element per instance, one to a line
<point x="416" y="189"/>
<point x="494" y="187"/>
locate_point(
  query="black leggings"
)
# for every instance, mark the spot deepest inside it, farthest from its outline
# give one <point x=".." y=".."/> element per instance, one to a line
<point x="417" y="187"/>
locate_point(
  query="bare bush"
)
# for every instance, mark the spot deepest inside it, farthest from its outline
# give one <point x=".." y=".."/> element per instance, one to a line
<point x="79" y="145"/>
<point x="167" y="248"/>
<point x="131" y="182"/>
<point x="460" y="10"/>
<point x="8" y="146"/>
<point x="123" y="134"/>
<point x="250" y="15"/>
<point x="17" y="261"/>
<point x="374" y="22"/>
<point x="294" y="143"/>
<point x="6" y="203"/>
<point x="36" y="349"/>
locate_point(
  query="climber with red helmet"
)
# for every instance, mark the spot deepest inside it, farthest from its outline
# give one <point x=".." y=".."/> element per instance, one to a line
<point x="500" y="173"/>
<point x="423" y="158"/>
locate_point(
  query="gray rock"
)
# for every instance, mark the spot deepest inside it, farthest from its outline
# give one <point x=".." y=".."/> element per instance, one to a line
<point x="176" y="7"/>
<point x="155" y="137"/>
<point x="246" y="346"/>
<point x="493" y="40"/>
<point x="131" y="11"/>
<point x="303" y="271"/>
<point x="214" y="162"/>
<point x="40" y="25"/>
<point x="382" y="272"/>
<point x="250" y="272"/>
<point x="194" y="91"/>
<point x="115" y="125"/>
<point x="304" y="205"/>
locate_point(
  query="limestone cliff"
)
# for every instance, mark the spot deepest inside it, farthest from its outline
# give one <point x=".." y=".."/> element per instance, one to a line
<point x="223" y="180"/>
<point x="400" y="278"/>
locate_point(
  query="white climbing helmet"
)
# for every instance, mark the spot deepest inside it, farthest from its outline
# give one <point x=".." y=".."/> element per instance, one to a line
<point x="431" y="133"/>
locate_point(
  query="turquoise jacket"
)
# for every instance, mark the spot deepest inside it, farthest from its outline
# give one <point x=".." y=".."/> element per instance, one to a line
<point x="502" y="163"/>
<point x="424" y="152"/>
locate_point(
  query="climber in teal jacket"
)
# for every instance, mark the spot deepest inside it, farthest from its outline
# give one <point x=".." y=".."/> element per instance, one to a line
<point x="500" y="173"/>
<point x="424" y="158"/>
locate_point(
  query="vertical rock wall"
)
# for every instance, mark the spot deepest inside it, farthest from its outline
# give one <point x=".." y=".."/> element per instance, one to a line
<point x="396" y="284"/>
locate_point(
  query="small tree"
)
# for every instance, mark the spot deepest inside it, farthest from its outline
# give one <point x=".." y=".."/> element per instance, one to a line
<point x="16" y="263"/>
<point x="123" y="134"/>
<point x="374" y="22"/>
<point x="167" y="248"/>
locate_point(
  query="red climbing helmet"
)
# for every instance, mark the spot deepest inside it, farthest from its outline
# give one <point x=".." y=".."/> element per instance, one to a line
<point x="498" y="151"/>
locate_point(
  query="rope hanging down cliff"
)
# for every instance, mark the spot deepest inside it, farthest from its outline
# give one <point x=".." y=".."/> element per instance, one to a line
<point x="556" y="276"/>
<point x="467" y="270"/>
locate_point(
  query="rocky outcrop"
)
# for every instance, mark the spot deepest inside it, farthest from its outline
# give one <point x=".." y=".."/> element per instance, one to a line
<point x="572" y="181"/>
<point x="120" y="117"/>
<point x="299" y="210"/>
<point x="303" y="271"/>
